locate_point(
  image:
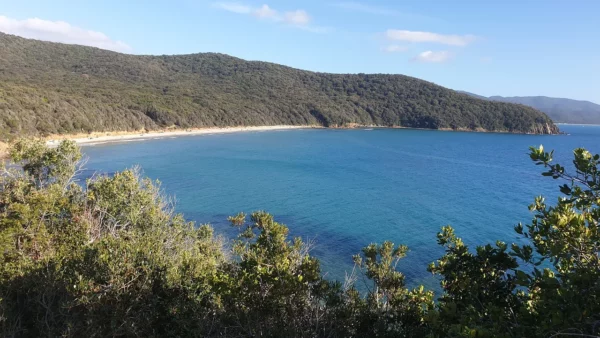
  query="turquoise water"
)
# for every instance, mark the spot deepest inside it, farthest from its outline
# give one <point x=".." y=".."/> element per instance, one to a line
<point x="344" y="189"/>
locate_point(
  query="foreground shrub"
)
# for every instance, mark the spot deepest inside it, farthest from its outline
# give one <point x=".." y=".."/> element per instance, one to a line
<point x="111" y="258"/>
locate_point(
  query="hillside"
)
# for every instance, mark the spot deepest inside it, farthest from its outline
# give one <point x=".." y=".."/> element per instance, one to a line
<point x="50" y="88"/>
<point x="558" y="109"/>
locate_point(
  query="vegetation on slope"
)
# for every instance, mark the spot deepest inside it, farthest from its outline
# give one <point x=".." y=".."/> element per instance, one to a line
<point x="558" y="109"/>
<point x="50" y="88"/>
<point x="112" y="259"/>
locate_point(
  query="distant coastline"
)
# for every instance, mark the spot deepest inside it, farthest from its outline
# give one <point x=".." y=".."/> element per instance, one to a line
<point x="576" y="124"/>
<point x="95" y="138"/>
<point x="131" y="136"/>
<point x="111" y="137"/>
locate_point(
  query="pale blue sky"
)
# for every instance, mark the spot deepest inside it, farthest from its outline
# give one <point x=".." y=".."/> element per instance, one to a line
<point x="508" y="47"/>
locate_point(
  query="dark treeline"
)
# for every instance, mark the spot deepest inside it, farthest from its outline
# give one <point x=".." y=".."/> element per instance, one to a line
<point x="51" y="88"/>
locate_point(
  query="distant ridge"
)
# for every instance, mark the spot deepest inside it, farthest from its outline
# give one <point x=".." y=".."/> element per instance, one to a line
<point x="53" y="88"/>
<point x="560" y="110"/>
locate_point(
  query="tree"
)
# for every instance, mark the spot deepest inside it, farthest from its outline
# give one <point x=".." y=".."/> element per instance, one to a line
<point x="548" y="287"/>
<point x="564" y="296"/>
<point x="111" y="258"/>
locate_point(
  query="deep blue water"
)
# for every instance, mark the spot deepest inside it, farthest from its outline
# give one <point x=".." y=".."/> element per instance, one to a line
<point x="345" y="189"/>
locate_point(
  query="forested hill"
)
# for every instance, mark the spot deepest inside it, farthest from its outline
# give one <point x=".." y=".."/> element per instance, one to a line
<point x="558" y="109"/>
<point x="49" y="88"/>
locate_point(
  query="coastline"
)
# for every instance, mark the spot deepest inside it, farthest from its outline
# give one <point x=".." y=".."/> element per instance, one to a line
<point x="129" y="136"/>
<point x="111" y="137"/>
<point x="576" y="124"/>
<point x="95" y="138"/>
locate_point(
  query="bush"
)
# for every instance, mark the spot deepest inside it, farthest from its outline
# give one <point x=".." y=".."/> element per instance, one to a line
<point x="112" y="258"/>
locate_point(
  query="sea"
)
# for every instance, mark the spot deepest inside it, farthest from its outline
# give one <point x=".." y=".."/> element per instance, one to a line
<point x="340" y="190"/>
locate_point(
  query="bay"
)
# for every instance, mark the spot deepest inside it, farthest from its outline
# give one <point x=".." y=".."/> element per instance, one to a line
<point x="343" y="189"/>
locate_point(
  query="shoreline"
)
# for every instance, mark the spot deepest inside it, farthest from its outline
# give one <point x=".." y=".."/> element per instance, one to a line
<point x="96" y="138"/>
<point x="577" y="124"/>
<point x="113" y="137"/>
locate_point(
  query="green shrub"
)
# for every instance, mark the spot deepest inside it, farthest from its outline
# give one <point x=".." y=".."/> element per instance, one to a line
<point x="112" y="258"/>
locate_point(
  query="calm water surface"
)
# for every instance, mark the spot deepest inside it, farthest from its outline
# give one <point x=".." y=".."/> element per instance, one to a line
<point x="344" y="189"/>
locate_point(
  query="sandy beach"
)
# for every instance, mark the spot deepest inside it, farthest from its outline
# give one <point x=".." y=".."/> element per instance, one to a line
<point x="108" y="137"/>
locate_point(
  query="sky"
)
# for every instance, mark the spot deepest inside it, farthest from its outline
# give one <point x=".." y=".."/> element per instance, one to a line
<point x="488" y="47"/>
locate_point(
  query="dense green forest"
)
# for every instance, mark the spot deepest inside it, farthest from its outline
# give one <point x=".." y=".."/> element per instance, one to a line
<point x="110" y="258"/>
<point x="558" y="109"/>
<point x="52" y="88"/>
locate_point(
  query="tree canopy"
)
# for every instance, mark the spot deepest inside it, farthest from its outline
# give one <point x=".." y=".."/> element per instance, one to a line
<point x="52" y="88"/>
